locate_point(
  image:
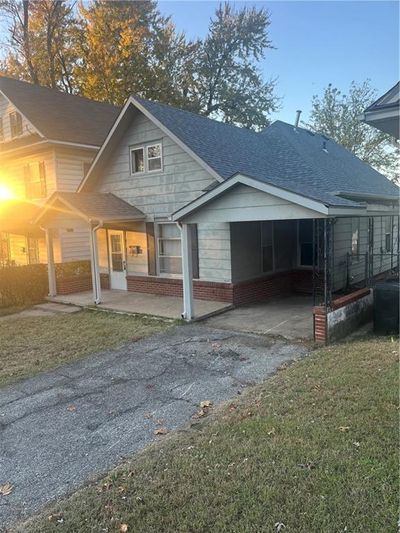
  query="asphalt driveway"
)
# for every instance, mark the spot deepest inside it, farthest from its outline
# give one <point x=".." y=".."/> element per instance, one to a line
<point x="64" y="427"/>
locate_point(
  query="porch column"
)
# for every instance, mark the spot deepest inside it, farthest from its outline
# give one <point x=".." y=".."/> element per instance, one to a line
<point x="51" y="271"/>
<point x="187" y="273"/>
<point x="94" y="263"/>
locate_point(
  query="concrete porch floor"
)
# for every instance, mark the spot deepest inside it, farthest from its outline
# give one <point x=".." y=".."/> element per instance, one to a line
<point x="146" y="304"/>
<point x="289" y="317"/>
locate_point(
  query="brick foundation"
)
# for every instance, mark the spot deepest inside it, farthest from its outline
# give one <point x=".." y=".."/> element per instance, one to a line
<point x="240" y="293"/>
<point x="75" y="284"/>
<point x="202" y="290"/>
<point x="323" y="328"/>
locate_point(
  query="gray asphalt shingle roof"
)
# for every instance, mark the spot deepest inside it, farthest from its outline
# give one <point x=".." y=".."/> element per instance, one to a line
<point x="101" y="206"/>
<point x="289" y="158"/>
<point x="61" y="116"/>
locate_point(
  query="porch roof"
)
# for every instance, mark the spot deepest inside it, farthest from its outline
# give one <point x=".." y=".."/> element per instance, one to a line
<point x="91" y="206"/>
<point x="16" y="217"/>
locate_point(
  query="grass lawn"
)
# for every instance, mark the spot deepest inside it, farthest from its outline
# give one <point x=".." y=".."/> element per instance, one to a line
<point x="314" y="448"/>
<point x="31" y="345"/>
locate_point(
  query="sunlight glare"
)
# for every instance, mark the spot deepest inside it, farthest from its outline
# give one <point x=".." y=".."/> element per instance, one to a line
<point x="5" y="193"/>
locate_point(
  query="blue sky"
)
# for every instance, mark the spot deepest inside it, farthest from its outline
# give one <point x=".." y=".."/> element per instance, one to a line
<point x="316" y="43"/>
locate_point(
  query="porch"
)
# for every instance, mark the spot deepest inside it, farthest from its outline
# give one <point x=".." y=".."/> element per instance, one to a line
<point x="147" y="304"/>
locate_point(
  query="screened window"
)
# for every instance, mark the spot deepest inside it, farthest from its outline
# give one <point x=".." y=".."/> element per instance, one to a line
<point x="169" y="249"/>
<point x="117" y="256"/>
<point x="267" y="245"/>
<point x="154" y="157"/>
<point x="388" y="234"/>
<point x="137" y="160"/>
<point x="15" y="124"/>
<point x="355" y="236"/>
<point x="305" y="242"/>
<point x="35" y="181"/>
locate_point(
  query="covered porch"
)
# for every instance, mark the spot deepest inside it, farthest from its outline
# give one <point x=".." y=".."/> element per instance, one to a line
<point x="141" y="303"/>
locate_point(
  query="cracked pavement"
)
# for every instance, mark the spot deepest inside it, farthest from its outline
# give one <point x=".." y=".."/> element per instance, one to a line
<point x="67" y="426"/>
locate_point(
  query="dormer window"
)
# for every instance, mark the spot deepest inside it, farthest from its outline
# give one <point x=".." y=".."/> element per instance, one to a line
<point x="15" y="124"/>
<point x="146" y="158"/>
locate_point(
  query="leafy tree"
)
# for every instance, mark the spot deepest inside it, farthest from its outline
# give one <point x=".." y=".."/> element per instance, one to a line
<point x="108" y="50"/>
<point x="226" y="81"/>
<point x="338" y="116"/>
<point x="40" y="33"/>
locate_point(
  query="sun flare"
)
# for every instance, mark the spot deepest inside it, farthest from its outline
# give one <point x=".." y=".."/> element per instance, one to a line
<point x="5" y="193"/>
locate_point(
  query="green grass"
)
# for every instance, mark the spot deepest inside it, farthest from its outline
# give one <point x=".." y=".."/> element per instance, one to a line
<point x="31" y="345"/>
<point x="313" y="448"/>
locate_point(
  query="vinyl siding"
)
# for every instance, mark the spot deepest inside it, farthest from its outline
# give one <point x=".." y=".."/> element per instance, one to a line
<point x="70" y="168"/>
<point x="74" y="244"/>
<point x="244" y="203"/>
<point x="13" y="171"/>
<point x="158" y="194"/>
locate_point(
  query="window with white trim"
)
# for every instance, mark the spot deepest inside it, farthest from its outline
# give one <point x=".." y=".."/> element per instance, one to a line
<point x="388" y="234"/>
<point x="169" y="249"/>
<point x="154" y="157"/>
<point x="146" y="158"/>
<point x="355" y="236"/>
<point x="137" y="160"/>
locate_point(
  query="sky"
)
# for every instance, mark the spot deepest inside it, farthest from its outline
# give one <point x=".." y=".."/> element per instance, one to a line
<point x="316" y="43"/>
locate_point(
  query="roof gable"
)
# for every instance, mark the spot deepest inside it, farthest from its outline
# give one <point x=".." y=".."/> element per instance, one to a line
<point x="283" y="156"/>
<point x="60" y="116"/>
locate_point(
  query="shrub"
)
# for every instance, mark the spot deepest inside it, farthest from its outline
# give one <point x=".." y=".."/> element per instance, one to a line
<point x="23" y="285"/>
<point x="74" y="269"/>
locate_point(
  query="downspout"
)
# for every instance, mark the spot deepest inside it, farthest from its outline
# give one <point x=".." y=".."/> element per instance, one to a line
<point x="95" y="262"/>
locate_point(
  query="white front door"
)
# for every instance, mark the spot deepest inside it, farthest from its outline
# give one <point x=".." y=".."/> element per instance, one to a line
<point x="116" y="247"/>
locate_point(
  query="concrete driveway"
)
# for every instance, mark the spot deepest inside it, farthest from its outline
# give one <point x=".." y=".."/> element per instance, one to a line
<point x="64" y="427"/>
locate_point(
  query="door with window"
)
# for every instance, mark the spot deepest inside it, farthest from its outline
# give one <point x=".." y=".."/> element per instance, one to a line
<point x="116" y="247"/>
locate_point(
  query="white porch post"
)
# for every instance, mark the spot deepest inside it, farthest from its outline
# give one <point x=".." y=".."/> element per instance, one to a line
<point x="94" y="263"/>
<point x="187" y="272"/>
<point x="51" y="271"/>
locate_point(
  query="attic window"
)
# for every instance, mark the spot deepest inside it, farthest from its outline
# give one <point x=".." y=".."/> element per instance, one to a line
<point x="146" y="158"/>
<point x="137" y="160"/>
<point x="15" y="124"/>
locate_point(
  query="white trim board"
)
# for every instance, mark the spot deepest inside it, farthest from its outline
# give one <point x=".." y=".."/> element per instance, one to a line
<point x="319" y="209"/>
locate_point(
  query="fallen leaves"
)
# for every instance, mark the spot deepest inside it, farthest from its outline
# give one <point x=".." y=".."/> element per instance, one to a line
<point x="161" y="431"/>
<point x="343" y="429"/>
<point x="123" y="528"/>
<point x="71" y="408"/>
<point x="6" y="489"/>
<point x="205" y="407"/>
<point x="56" y="517"/>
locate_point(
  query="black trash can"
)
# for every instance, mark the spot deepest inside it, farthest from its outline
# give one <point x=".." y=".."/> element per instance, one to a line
<point x="386" y="307"/>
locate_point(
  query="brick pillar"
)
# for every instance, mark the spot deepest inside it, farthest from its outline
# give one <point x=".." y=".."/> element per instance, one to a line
<point x="320" y="324"/>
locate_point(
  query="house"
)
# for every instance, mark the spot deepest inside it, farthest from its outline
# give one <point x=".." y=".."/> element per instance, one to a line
<point x="384" y="113"/>
<point x="48" y="140"/>
<point x="179" y="204"/>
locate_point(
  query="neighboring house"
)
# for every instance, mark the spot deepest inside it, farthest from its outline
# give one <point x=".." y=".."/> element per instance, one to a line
<point x="384" y="114"/>
<point x="259" y="214"/>
<point x="48" y="140"/>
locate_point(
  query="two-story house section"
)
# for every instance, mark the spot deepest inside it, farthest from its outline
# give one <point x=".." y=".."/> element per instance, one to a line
<point x="48" y="140"/>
